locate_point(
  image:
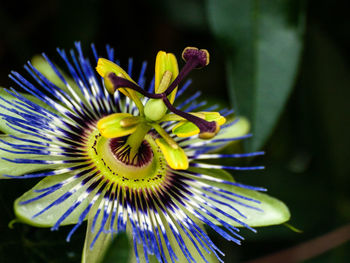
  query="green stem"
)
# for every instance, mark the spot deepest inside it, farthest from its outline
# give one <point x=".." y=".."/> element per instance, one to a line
<point x="136" y="138"/>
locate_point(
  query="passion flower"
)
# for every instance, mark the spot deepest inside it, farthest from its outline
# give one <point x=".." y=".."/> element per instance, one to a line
<point x="127" y="159"/>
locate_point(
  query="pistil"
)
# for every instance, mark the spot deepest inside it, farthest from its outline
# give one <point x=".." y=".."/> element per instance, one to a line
<point x="194" y="58"/>
<point x="135" y="139"/>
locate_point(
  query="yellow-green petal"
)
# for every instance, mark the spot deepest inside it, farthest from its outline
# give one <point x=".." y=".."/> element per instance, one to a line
<point x="18" y="169"/>
<point x="97" y="252"/>
<point x="272" y="211"/>
<point x="25" y="212"/>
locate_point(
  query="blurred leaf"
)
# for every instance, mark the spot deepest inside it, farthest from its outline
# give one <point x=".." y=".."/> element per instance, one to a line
<point x="118" y="250"/>
<point x="189" y="14"/>
<point x="263" y="40"/>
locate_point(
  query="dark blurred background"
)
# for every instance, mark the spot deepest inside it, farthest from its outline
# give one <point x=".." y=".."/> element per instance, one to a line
<point x="306" y="136"/>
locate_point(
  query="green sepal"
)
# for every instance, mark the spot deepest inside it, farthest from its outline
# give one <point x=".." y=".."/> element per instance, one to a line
<point x="3" y="123"/>
<point x="25" y="212"/>
<point x="45" y="68"/>
<point x="96" y="253"/>
<point x="216" y="173"/>
<point x="240" y="128"/>
<point x="274" y="212"/>
<point x="17" y="169"/>
<point x="211" y="258"/>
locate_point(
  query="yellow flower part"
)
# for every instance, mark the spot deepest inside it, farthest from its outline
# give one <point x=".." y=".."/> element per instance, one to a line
<point x="187" y="128"/>
<point x="114" y="125"/>
<point x="165" y="62"/>
<point x="105" y="67"/>
<point x="175" y="157"/>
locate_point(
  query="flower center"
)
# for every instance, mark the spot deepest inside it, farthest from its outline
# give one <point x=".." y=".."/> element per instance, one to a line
<point x="122" y="151"/>
<point x="113" y="158"/>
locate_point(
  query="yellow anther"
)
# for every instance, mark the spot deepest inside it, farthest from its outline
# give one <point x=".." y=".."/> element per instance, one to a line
<point x="209" y="135"/>
<point x="110" y="126"/>
<point x="129" y="121"/>
<point x="176" y="158"/>
<point x="186" y="128"/>
<point x="165" y="62"/>
<point x="105" y="67"/>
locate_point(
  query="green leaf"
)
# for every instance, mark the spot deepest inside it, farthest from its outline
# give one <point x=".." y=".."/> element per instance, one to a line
<point x="263" y="42"/>
<point x="25" y="212"/>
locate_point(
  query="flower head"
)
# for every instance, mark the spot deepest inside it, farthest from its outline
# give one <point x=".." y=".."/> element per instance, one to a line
<point x="126" y="158"/>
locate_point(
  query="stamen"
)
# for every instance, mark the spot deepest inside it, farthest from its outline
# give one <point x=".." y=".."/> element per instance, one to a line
<point x="129" y="121"/>
<point x="207" y="129"/>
